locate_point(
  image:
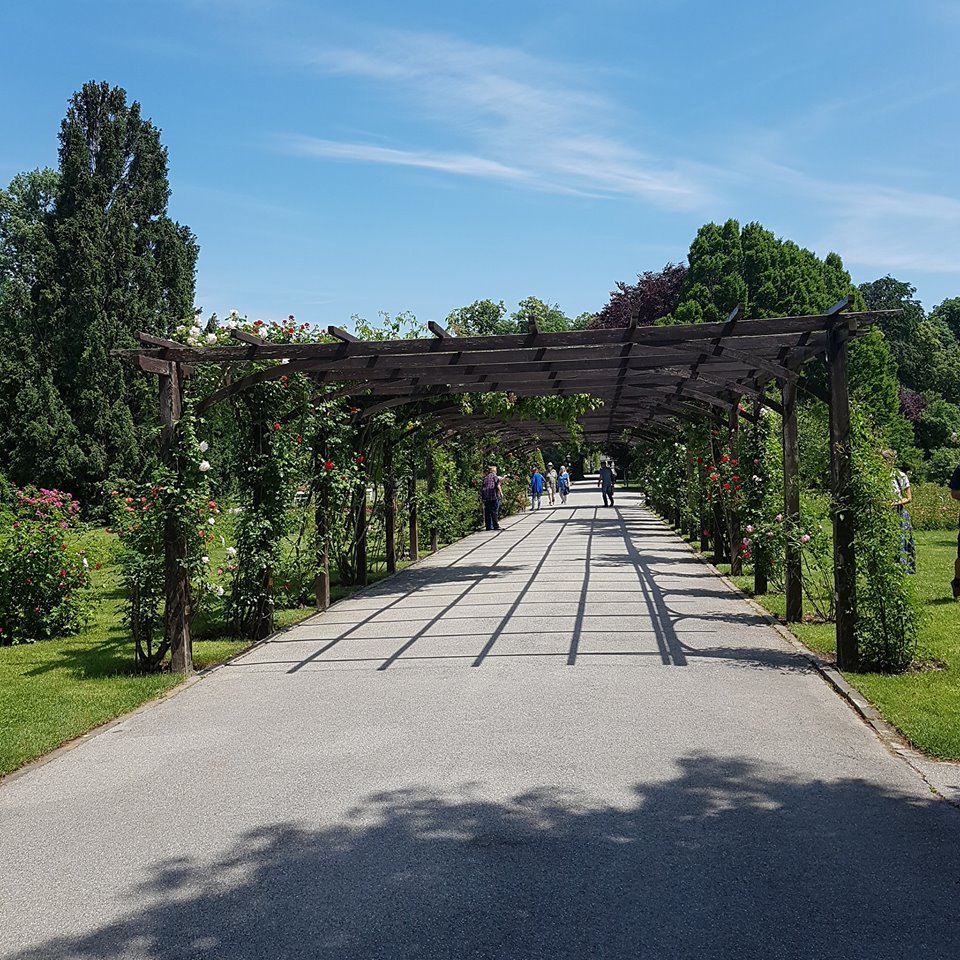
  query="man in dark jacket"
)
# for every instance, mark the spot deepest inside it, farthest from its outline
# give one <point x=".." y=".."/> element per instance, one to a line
<point x="491" y="493"/>
<point x="605" y="482"/>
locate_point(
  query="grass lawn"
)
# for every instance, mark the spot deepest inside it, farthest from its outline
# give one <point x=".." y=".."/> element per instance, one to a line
<point x="54" y="691"/>
<point x="924" y="705"/>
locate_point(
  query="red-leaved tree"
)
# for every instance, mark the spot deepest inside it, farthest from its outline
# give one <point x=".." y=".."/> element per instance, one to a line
<point x="654" y="295"/>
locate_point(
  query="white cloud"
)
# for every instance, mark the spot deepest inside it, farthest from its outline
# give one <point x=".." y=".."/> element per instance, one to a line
<point x="874" y="225"/>
<point x="505" y="115"/>
<point x="464" y="164"/>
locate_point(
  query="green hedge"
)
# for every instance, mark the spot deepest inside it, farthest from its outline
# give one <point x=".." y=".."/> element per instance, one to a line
<point x="933" y="508"/>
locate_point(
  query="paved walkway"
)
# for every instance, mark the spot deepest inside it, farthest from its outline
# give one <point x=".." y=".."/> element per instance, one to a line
<point x="567" y="739"/>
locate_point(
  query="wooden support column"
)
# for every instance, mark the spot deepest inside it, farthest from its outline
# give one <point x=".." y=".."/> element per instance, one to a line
<point x="412" y="500"/>
<point x="175" y="576"/>
<point x="431" y="489"/>
<point x="841" y="448"/>
<point x="735" y="535"/>
<point x="390" y="511"/>
<point x="760" y="563"/>
<point x="263" y="611"/>
<point x="718" y="526"/>
<point x="321" y="580"/>
<point x="793" y="572"/>
<point x="360" y="535"/>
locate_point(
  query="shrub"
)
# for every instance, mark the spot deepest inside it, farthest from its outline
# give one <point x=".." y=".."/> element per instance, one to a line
<point x="42" y="578"/>
<point x="888" y="612"/>
<point x="939" y="468"/>
<point x="932" y="507"/>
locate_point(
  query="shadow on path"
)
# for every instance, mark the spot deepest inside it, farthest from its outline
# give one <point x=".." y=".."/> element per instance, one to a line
<point x="617" y="546"/>
<point x="726" y="859"/>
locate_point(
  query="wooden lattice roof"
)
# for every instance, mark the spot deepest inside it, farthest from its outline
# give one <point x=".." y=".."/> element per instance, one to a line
<point x="646" y="377"/>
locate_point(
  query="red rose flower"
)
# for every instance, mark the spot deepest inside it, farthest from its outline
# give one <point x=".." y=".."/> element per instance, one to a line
<point x="724" y="459"/>
<point x="298" y="438"/>
<point x="360" y="458"/>
<point x="328" y="465"/>
<point x="277" y="426"/>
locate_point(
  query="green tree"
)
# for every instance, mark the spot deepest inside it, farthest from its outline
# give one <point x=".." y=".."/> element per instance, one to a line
<point x="550" y="318"/>
<point x="482" y="318"/>
<point x="949" y="313"/>
<point x="38" y="439"/>
<point x="121" y="265"/>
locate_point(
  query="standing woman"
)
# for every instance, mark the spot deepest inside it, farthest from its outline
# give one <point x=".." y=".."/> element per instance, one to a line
<point x="563" y="484"/>
<point x="902" y="495"/>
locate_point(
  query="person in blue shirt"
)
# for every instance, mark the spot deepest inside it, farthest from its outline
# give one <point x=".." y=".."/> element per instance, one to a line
<point x="536" y="488"/>
<point x="955" y="493"/>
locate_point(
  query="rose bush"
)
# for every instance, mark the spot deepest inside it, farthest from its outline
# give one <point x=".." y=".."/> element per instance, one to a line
<point x="43" y="577"/>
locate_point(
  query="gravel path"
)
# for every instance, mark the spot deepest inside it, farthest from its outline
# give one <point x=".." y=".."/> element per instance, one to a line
<point x="565" y="739"/>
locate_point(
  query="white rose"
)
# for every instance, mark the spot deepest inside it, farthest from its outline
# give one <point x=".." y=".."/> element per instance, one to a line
<point x="204" y="466"/>
<point x="231" y="551"/>
<point x="204" y="446"/>
<point x="234" y="314"/>
<point x="219" y="591"/>
<point x="211" y="521"/>
<point x="204" y="559"/>
<point x="211" y="338"/>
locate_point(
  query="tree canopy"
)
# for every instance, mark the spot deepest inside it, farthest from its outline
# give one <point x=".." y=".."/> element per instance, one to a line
<point x="88" y="257"/>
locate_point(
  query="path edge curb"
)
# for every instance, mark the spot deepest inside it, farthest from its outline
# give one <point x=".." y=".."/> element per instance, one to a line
<point x="886" y="733"/>
<point x="197" y="676"/>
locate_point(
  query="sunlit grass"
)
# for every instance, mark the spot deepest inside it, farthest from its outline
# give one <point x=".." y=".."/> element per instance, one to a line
<point x="54" y="691"/>
<point x="924" y="705"/>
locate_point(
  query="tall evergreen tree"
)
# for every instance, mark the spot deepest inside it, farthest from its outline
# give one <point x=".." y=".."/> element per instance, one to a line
<point x="88" y="256"/>
<point x="121" y="265"/>
<point x="38" y="440"/>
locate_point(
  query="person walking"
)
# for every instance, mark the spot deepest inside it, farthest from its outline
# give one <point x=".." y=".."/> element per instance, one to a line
<point x="955" y="493"/>
<point x="563" y="484"/>
<point x="605" y="482"/>
<point x="550" y="478"/>
<point x="536" y="488"/>
<point x="491" y="493"/>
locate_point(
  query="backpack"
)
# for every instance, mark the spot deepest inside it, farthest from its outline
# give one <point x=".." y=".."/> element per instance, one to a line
<point x="488" y="492"/>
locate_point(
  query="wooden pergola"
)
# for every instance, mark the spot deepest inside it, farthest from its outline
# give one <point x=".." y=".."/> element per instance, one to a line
<point x="648" y="380"/>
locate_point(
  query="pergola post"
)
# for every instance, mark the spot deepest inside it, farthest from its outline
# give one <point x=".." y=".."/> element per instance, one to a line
<point x="321" y="580"/>
<point x="412" y="499"/>
<point x="733" y="518"/>
<point x="360" y="533"/>
<point x="793" y="573"/>
<point x="844" y="560"/>
<point x="175" y="576"/>
<point x="263" y="610"/>
<point x="760" y="563"/>
<point x="390" y="511"/>
<point x="431" y="489"/>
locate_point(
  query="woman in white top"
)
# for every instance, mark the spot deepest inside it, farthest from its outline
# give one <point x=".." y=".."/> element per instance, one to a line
<point x="902" y="495"/>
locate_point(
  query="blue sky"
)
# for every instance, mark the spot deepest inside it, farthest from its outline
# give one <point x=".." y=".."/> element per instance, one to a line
<point x="349" y="158"/>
